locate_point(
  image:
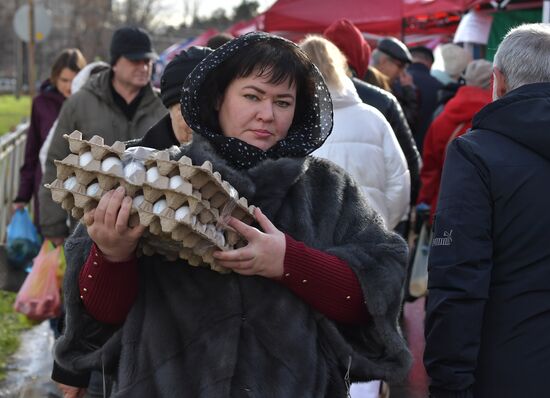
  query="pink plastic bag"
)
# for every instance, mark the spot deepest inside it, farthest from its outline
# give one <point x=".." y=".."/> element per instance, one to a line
<point x="39" y="297"/>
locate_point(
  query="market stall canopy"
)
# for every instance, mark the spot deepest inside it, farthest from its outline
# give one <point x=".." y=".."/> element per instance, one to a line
<point x="413" y="8"/>
<point x="373" y="16"/>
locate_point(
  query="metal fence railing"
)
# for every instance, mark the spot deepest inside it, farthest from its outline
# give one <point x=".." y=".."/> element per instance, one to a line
<point x="12" y="155"/>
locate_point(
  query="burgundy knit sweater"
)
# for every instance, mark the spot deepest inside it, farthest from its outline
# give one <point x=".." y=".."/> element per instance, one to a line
<point x="108" y="290"/>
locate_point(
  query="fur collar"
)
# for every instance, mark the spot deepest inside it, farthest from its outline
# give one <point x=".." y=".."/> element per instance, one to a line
<point x="263" y="185"/>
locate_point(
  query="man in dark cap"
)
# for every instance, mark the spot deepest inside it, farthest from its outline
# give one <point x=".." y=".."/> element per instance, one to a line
<point x="391" y="58"/>
<point x="117" y="104"/>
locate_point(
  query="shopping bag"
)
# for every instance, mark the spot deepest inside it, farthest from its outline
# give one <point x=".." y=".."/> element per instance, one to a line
<point x="418" y="283"/>
<point x="23" y="241"/>
<point x="39" y="297"/>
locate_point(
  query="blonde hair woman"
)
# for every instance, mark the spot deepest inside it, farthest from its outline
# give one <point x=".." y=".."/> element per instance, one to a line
<point x="362" y="142"/>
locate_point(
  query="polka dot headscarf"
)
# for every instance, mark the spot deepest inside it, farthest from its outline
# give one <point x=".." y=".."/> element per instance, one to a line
<point x="302" y="138"/>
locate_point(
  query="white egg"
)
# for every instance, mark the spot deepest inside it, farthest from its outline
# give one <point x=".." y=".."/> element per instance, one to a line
<point x="70" y="183"/>
<point x="211" y="229"/>
<point x="92" y="189"/>
<point x="182" y="212"/>
<point x="175" y="181"/>
<point x="233" y="193"/>
<point x="85" y="159"/>
<point x="138" y="200"/>
<point x="220" y="238"/>
<point x="159" y="206"/>
<point x="134" y="171"/>
<point x="152" y="174"/>
<point x="110" y="162"/>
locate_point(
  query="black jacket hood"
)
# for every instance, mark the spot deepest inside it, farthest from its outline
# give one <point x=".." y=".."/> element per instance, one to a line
<point x="523" y="115"/>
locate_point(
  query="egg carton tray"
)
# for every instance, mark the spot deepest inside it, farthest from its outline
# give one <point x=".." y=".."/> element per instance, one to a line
<point x="183" y="206"/>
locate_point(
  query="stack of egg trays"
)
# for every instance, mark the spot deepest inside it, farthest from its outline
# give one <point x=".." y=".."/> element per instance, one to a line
<point x="194" y="237"/>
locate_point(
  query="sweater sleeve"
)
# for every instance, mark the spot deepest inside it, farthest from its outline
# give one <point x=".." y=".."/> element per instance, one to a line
<point x="108" y="290"/>
<point x="68" y="378"/>
<point x="325" y="282"/>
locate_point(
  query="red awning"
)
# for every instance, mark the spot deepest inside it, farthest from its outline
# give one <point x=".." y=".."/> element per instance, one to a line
<point x="316" y="15"/>
<point x="373" y="16"/>
<point x="413" y="8"/>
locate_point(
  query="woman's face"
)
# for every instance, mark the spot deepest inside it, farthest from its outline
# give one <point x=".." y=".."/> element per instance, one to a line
<point x="182" y="131"/>
<point x="257" y="112"/>
<point x="63" y="83"/>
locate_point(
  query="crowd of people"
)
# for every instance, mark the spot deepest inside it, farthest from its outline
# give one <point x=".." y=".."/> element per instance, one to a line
<point x="336" y="144"/>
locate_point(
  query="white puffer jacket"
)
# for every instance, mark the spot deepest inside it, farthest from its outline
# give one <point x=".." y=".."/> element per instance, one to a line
<point x="363" y="143"/>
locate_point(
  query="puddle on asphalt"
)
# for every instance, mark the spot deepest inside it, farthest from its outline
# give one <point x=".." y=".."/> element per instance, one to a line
<point x="30" y="367"/>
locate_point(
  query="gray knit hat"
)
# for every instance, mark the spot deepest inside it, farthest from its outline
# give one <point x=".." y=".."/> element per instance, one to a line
<point x="478" y="73"/>
<point x="176" y="72"/>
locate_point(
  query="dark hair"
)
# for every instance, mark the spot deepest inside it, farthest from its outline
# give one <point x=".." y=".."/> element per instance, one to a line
<point x="423" y="53"/>
<point x="219" y="40"/>
<point x="274" y="59"/>
<point x="70" y="58"/>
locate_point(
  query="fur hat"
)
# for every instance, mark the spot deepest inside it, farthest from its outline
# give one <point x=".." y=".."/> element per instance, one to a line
<point x="176" y="72"/>
<point x="455" y="59"/>
<point x="478" y="73"/>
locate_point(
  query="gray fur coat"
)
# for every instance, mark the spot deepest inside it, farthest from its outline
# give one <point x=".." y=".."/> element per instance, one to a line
<point x="196" y="333"/>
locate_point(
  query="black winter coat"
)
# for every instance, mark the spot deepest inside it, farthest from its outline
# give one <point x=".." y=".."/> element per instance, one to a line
<point x="428" y="88"/>
<point x="160" y="136"/>
<point x="488" y="312"/>
<point x="388" y="105"/>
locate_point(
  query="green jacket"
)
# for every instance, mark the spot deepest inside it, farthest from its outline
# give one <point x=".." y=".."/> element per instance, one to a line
<point x="92" y="111"/>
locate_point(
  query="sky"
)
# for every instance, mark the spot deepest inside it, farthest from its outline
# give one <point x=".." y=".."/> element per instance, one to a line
<point x="173" y="10"/>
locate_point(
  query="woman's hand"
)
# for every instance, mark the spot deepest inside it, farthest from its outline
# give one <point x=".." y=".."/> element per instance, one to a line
<point x="263" y="255"/>
<point x="108" y="226"/>
<point x="70" y="391"/>
<point x="18" y="205"/>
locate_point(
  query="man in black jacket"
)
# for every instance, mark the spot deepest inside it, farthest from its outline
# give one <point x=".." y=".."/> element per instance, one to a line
<point x="488" y="310"/>
<point x="428" y="88"/>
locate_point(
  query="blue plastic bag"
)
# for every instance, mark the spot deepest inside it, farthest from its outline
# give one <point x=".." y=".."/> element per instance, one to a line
<point x="23" y="241"/>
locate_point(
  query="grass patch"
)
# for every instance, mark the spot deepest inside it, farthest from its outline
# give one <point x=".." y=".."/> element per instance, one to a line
<point x="11" y="325"/>
<point x="12" y="111"/>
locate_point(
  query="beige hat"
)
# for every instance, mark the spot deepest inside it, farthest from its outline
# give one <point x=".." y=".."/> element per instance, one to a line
<point x="455" y="59"/>
<point x="478" y="73"/>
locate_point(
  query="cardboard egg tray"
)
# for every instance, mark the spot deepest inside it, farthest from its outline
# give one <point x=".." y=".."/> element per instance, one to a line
<point x="183" y="205"/>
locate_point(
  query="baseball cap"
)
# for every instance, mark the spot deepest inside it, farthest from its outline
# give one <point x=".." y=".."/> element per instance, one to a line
<point x="132" y="43"/>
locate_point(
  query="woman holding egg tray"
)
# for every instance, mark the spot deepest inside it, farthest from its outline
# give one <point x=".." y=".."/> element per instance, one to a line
<point x="313" y="299"/>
